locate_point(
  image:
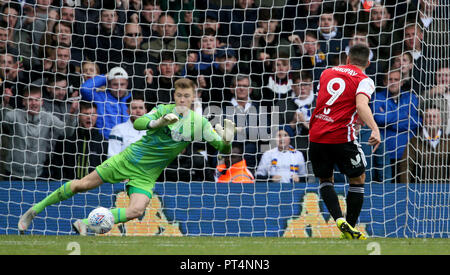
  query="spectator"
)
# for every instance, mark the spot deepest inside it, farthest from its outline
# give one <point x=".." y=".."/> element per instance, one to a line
<point x="301" y="16"/>
<point x="60" y="35"/>
<point x="13" y="80"/>
<point x="205" y="56"/>
<point x="62" y="66"/>
<point x="295" y="110"/>
<point x="167" y="40"/>
<point x="43" y="8"/>
<point x="29" y="135"/>
<point x="424" y="10"/>
<point x="283" y="163"/>
<point x="300" y="97"/>
<point x="67" y="13"/>
<point x="432" y="15"/>
<point x="219" y="76"/>
<point x="267" y="42"/>
<point x="239" y="23"/>
<point x="160" y="84"/>
<point x="124" y="134"/>
<point x="57" y="100"/>
<point x="6" y="95"/>
<point x="189" y="28"/>
<point x="211" y="22"/>
<point x="35" y="19"/>
<point x="17" y="38"/>
<point x="406" y="61"/>
<point x="56" y="60"/>
<point x="132" y="5"/>
<point x="132" y="37"/>
<point x="233" y="168"/>
<point x="89" y="69"/>
<point x="427" y="159"/>
<point x="396" y="113"/>
<point x="208" y="48"/>
<point x="351" y="14"/>
<point x="440" y="96"/>
<point x="245" y="114"/>
<point x="424" y="64"/>
<point x="267" y="37"/>
<point x="10" y="14"/>
<point x="397" y="8"/>
<point x="134" y="60"/>
<point x="442" y="77"/>
<point x="78" y="155"/>
<point x="44" y="66"/>
<point x="277" y="84"/>
<point x="87" y="16"/>
<point x="190" y="69"/>
<point x="330" y="35"/>
<point x="413" y="40"/>
<point x="111" y="103"/>
<point x="4" y="45"/>
<point x="383" y="35"/>
<point x="104" y="43"/>
<point x="310" y="53"/>
<point x="150" y="14"/>
<point x="375" y="68"/>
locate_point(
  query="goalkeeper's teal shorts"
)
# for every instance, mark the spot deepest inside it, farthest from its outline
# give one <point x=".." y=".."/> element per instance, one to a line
<point x="118" y="169"/>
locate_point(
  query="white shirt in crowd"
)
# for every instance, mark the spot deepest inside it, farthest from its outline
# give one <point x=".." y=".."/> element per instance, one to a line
<point x="121" y="136"/>
<point x="284" y="163"/>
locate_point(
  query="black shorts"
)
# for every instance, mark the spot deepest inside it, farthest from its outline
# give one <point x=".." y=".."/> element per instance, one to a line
<point x="348" y="157"/>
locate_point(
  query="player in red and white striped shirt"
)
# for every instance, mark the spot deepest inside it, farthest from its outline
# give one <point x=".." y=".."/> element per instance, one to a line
<point x="342" y="101"/>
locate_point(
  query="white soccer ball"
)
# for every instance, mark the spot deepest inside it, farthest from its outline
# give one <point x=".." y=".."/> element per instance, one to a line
<point x="101" y="220"/>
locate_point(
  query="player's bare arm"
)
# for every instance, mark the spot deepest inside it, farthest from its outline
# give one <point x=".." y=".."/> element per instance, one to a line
<point x="365" y="114"/>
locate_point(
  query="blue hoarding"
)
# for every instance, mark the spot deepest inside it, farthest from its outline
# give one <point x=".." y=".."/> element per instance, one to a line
<point x="261" y="209"/>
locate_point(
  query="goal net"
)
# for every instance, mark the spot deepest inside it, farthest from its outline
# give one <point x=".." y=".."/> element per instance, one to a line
<point x="65" y="108"/>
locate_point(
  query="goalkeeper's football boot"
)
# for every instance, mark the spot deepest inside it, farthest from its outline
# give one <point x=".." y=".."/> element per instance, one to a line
<point x="25" y="220"/>
<point x="80" y="227"/>
<point x="348" y="231"/>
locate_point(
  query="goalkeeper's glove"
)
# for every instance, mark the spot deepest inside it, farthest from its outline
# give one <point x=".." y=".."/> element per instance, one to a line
<point x="164" y="121"/>
<point x="226" y="133"/>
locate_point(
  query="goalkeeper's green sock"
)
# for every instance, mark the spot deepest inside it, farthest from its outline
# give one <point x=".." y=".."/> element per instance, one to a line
<point x="62" y="193"/>
<point x="118" y="214"/>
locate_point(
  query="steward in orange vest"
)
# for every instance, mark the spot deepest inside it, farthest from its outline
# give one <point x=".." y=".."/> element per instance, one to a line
<point x="234" y="169"/>
<point x="237" y="173"/>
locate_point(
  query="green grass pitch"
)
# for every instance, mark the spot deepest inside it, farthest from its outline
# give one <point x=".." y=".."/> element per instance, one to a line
<point x="100" y="245"/>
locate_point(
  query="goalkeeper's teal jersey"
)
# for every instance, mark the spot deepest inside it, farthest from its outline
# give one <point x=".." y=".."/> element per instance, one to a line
<point x="156" y="150"/>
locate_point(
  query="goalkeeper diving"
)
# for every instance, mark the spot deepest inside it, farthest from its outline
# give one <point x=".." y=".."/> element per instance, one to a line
<point x="170" y="128"/>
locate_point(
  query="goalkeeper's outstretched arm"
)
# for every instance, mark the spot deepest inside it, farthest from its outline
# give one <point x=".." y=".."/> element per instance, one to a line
<point x="221" y="136"/>
<point x="227" y="132"/>
<point x="141" y="123"/>
<point x="145" y="123"/>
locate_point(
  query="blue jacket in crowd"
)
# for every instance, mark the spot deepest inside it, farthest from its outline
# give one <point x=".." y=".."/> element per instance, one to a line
<point x="111" y="110"/>
<point x="398" y="121"/>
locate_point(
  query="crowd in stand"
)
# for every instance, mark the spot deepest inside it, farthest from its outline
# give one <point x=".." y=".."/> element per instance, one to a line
<point x="75" y="75"/>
